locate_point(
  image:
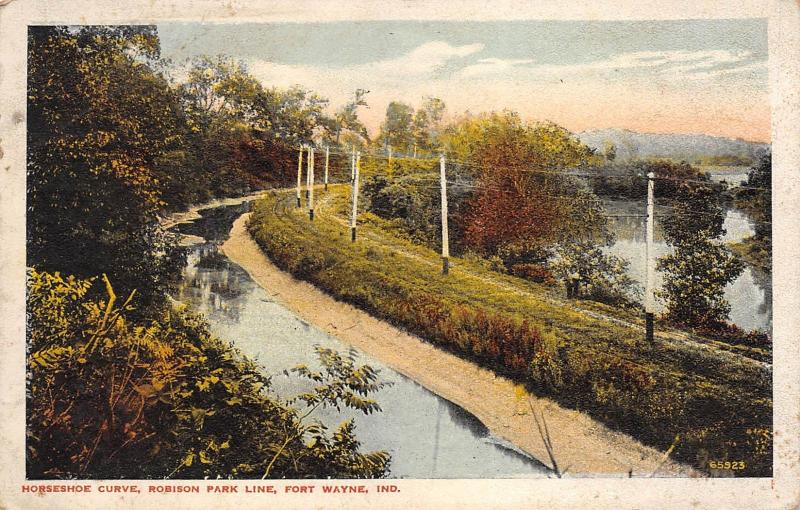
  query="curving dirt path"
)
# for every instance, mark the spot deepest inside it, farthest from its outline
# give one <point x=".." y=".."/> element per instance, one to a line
<point x="582" y="446"/>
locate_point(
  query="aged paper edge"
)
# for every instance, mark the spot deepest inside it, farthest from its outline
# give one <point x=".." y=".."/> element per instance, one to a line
<point x="781" y="491"/>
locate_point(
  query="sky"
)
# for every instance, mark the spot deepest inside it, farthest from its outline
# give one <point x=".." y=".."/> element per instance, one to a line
<point x="673" y="76"/>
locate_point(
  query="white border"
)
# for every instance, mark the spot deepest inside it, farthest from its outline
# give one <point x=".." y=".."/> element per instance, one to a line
<point x="780" y="492"/>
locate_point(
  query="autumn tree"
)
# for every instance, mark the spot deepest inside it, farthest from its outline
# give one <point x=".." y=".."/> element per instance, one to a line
<point x="523" y="189"/>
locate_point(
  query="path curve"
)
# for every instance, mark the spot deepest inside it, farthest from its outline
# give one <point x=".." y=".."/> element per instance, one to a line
<point x="583" y="446"/>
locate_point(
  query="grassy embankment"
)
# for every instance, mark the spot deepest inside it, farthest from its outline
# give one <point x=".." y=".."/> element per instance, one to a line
<point x="711" y="407"/>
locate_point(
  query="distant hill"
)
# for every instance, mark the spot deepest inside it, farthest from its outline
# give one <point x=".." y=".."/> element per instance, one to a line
<point x="693" y="148"/>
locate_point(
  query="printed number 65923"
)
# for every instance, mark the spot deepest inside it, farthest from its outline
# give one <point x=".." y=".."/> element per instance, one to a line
<point x="728" y="464"/>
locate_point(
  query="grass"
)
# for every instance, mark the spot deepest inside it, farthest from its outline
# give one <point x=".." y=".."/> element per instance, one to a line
<point x="719" y="405"/>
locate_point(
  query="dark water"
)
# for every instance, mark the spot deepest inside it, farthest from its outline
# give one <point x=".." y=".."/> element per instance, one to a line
<point x="427" y="436"/>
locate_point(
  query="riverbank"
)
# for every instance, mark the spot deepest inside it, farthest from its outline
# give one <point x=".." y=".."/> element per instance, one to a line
<point x="581" y="444"/>
<point x="193" y="212"/>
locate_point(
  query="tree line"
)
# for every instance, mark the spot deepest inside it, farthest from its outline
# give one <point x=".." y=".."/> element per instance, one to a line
<point x="120" y="382"/>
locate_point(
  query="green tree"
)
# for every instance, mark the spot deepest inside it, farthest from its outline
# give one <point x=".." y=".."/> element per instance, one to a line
<point x="346" y="119"/>
<point x="427" y="123"/>
<point x="609" y="151"/>
<point x="100" y="122"/>
<point x="700" y="266"/>
<point x="243" y="135"/>
<point x="396" y="130"/>
<point x="756" y="199"/>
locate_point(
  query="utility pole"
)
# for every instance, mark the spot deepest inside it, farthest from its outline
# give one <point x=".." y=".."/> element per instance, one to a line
<point x="311" y="185"/>
<point x="353" y="164"/>
<point x="327" y="159"/>
<point x="649" y="298"/>
<point x="445" y="236"/>
<point x="308" y="170"/>
<point x="357" y="167"/>
<point x="299" y="173"/>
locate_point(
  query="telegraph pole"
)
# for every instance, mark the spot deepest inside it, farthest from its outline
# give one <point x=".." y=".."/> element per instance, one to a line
<point x="308" y="170"/>
<point x="445" y="236"/>
<point x="353" y="165"/>
<point x="649" y="298"/>
<point x="299" y="173"/>
<point x="311" y="185"/>
<point x="327" y="159"/>
<point x="356" y="168"/>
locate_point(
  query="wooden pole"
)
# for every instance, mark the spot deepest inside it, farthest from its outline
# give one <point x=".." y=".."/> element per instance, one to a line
<point x="445" y="236"/>
<point x="327" y="159"/>
<point x="311" y="185"/>
<point x="308" y="170"/>
<point x="299" y="173"/>
<point x="353" y="165"/>
<point x="354" y="215"/>
<point x="649" y="297"/>
<point x="415" y="151"/>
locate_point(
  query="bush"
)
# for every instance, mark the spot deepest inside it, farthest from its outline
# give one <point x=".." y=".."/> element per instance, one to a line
<point x="535" y="272"/>
<point x="599" y="277"/>
<point x="109" y="398"/>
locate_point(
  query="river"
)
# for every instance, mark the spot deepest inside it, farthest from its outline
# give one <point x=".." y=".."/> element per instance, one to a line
<point x="427" y="436"/>
<point x="750" y="295"/>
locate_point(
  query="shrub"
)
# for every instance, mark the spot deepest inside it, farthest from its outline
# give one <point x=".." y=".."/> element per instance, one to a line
<point x="110" y="398"/>
<point x="534" y="272"/>
<point x="599" y="277"/>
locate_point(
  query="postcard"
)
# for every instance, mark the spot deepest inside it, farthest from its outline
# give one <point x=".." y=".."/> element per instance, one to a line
<point x="399" y="254"/>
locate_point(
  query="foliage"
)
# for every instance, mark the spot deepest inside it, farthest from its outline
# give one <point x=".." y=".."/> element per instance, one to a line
<point x="725" y="160"/>
<point x="396" y="130"/>
<point x="414" y="201"/>
<point x="523" y="191"/>
<point x="113" y="398"/>
<point x="99" y="122"/>
<point x="600" y="277"/>
<point x="346" y="118"/>
<point x="757" y="201"/>
<point x="517" y="329"/>
<point x="427" y="124"/>
<point x="629" y="180"/>
<point x="699" y="267"/>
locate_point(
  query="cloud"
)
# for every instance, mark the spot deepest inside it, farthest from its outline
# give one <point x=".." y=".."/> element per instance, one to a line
<point x="752" y="69"/>
<point x="425" y="58"/>
<point x="679" y="62"/>
<point x="492" y="66"/>
<point x="418" y="63"/>
<point x="674" y="90"/>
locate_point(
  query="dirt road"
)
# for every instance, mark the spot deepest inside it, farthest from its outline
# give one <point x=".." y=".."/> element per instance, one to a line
<point x="582" y="446"/>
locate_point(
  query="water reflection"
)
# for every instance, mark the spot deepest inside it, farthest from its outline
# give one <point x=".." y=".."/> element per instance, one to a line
<point x="750" y="295"/>
<point x="427" y="436"/>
